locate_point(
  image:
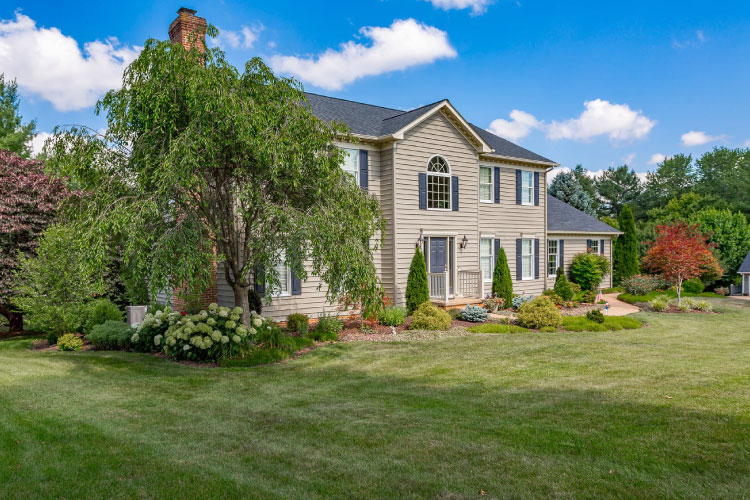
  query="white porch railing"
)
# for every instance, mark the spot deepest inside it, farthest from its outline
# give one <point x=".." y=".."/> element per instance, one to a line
<point x="470" y="284"/>
<point x="438" y="285"/>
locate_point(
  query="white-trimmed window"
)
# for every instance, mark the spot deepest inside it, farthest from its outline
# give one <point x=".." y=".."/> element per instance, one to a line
<point x="438" y="184"/>
<point x="553" y="257"/>
<point x="595" y="247"/>
<point x="486" y="258"/>
<point x="285" y="278"/>
<point x="527" y="187"/>
<point x="527" y="259"/>
<point x="351" y="163"/>
<point x="485" y="184"/>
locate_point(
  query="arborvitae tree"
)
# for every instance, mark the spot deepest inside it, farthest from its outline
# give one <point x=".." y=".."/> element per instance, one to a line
<point x="502" y="284"/>
<point x="417" y="290"/>
<point x="625" y="257"/>
<point x="562" y="285"/>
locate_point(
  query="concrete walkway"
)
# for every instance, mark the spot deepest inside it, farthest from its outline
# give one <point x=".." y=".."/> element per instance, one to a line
<point x="618" y="307"/>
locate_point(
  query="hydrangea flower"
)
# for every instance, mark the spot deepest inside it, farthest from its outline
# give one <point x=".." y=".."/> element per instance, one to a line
<point x="257" y="322"/>
<point x="253" y="331"/>
<point x="207" y="342"/>
<point x="230" y="324"/>
<point x="236" y="339"/>
<point x="135" y="337"/>
<point x="157" y="340"/>
<point x="234" y="317"/>
<point x="223" y="312"/>
<point x="241" y="330"/>
<point x="215" y="336"/>
<point x="224" y="339"/>
<point x="186" y="347"/>
<point x="213" y="306"/>
<point x="237" y="310"/>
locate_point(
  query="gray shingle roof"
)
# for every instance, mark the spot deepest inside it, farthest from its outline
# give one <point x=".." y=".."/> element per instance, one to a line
<point x="562" y="218"/>
<point x="366" y="119"/>
<point x="745" y="266"/>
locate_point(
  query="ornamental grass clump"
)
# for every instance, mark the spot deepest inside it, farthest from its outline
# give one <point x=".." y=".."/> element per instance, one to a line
<point x="539" y="313"/>
<point x="473" y="314"/>
<point x="660" y="303"/>
<point x="210" y="334"/>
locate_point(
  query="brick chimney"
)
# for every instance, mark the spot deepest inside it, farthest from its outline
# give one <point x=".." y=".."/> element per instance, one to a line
<point x="186" y="25"/>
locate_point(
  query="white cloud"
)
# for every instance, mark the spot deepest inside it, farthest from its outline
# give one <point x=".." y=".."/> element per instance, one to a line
<point x="518" y="127"/>
<point x="37" y="142"/>
<point x="700" y="39"/>
<point x="403" y="44"/>
<point x="477" y="6"/>
<point x="656" y="158"/>
<point x="594" y="174"/>
<point x="629" y="158"/>
<point x="51" y="65"/>
<point x="245" y="38"/>
<point x="746" y="144"/>
<point x="617" y="121"/>
<point x="700" y="36"/>
<point x="698" y="138"/>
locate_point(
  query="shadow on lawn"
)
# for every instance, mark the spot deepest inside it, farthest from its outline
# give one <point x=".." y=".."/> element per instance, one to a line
<point x="324" y="430"/>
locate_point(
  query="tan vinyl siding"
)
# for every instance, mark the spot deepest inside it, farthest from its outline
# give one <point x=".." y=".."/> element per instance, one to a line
<point x="434" y="136"/>
<point x="575" y="244"/>
<point x="509" y="221"/>
<point x="386" y="205"/>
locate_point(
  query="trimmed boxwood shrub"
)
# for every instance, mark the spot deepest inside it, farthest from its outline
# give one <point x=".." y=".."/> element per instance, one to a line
<point x="539" y="313"/>
<point x="299" y="323"/>
<point x="417" y="289"/>
<point x="474" y="314"/>
<point x="562" y="285"/>
<point x="596" y="316"/>
<point x="588" y="270"/>
<point x="429" y="317"/>
<point x="69" y="342"/>
<point x="110" y="335"/>
<point x="100" y="311"/>
<point x="392" y="316"/>
<point x="694" y="285"/>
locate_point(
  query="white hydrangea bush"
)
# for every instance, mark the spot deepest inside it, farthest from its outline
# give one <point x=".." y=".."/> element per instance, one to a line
<point x="209" y="335"/>
<point x="153" y="327"/>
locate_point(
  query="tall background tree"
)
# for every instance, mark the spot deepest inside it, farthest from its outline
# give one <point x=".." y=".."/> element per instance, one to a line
<point x="725" y="174"/>
<point x="29" y="200"/>
<point x="200" y="162"/>
<point x="617" y="187"/>
<point x="15" y="136"/>
<point x="625" y="257"/>
<point x="566" y="187"/>
<point x="673" y="177"/>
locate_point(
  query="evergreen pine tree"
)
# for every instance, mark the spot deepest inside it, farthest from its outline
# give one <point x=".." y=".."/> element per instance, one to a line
<point x="562" y="285"/>
<point x="417" y="290"/>
<point x="502" y="284"/>
<point x="625" y="257"/>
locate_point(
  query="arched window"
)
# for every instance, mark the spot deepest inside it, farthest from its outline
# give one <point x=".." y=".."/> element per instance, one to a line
<point x="438" y="183"/>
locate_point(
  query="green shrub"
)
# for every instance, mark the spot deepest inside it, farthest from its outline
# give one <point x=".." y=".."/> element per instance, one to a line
<point x="641" y="284"/>
<point x="587" y="297"/>
<point x="588" y="270"/>
<point x="110" y="335"/>
<point x="454" y="313"/>
<point x="694" y="285"/>
<point x="554" y="297"/>
<point x="327" y="329"/>
<point x="539" y="313"/>
<point x="548" y="329"/>
<point x="562" y="285"/>
<point x="155" y="307"/>
<point x="209" y="335"/>
<point x="660" y="303"/>
<point x="255" y="301"/>
<point x="298" y="323"/>
<point x="502" y="282"/>
<point x="153" y="325"/>
<point x="99" y="311"/>
<point x="271" y="337"/>
<point x="392" y="316"/>
<point x="575" y="287"/>
<point x="69" y="342"/>
<point x="614" y="289"/>
<point x="429" y="317"/>
<point x="583" y="324"/>
<point x="596" y="316"/>
<point x="417" y="288"/>
<point x="473" y="314"/>
<point x="497" y="328"/>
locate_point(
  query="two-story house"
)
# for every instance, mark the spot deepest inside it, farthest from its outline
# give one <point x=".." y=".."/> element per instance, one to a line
<point x="455" y="190"/>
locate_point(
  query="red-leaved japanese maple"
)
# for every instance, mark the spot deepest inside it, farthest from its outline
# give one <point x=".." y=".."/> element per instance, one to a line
<point x="680" y="252"/>
<point x="29" y="200"/>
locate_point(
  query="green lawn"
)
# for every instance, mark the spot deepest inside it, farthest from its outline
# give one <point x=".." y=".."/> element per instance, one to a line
<point x="658" y="412"/>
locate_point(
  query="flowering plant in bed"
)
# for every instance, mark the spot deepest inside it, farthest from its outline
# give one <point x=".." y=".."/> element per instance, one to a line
<point x="210" y="335"/>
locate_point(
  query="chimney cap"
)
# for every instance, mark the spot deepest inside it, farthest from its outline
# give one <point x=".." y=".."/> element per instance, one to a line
<point x="185" y="9"/>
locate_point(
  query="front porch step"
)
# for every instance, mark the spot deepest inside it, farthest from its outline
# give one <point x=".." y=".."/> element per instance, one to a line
<point x="457" y="302"/>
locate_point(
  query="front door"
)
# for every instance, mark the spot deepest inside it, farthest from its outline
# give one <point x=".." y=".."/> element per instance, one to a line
<point x="747" y="284"/>
<point x="438" y="253"/>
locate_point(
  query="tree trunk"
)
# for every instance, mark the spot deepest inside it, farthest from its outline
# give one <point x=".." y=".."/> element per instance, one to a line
<point x="15" y="319"/>
<point x="241" y="300"/>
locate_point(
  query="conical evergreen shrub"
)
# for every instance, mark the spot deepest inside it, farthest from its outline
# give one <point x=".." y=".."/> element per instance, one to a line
<point x="502" y="284"/>
<point x="417" y="289"/>
<point x="625" y="255"/>
<point x="562" y="285"/>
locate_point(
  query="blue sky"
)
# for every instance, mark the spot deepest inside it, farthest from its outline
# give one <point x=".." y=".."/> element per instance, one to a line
<point x="596" y="83"/>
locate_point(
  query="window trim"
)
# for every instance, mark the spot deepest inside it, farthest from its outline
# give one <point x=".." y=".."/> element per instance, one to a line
<point x="530" y="173"/>
<point x="493" y="257"/>
<point x="492" y="184"/>
<point x="288" y="270"/>
<point x="596" y="251"/>
<point x="447" y="175"/>
<point x="353" y="153"/>
<point x="557" y="257"/>
<point x="530" y="255"/>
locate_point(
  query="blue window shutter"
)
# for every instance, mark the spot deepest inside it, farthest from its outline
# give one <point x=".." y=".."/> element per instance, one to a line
<point x="260" y="281"/>
<point x="519" y="264"/>
<point x="363" y="169"/>
<point x="561" y="254"/>
<point x="601" y="247"/>
<point x="536" y="190"/>
<point x="518" y="187"/>
<point x="497" y="250"/>
<point x="588" y="245"/>
<point x="536" y="258"/>
<point x="423" y="191"/>
<point x="454" y="187"/>
<point x="497" y="184"/>
<point x="296" y="285"/>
